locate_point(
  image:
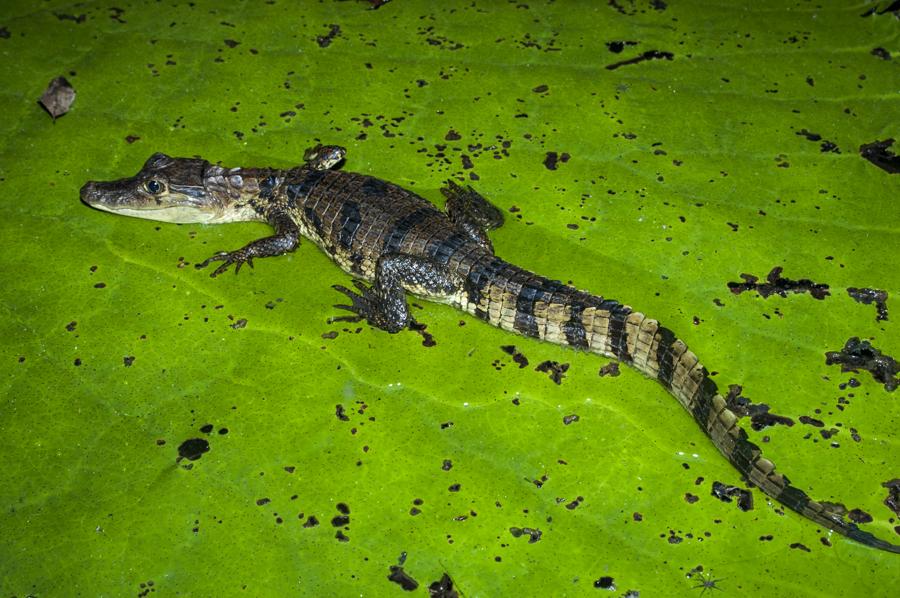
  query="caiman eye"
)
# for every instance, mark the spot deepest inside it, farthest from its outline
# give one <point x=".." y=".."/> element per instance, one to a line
<point x="154" y="186"/>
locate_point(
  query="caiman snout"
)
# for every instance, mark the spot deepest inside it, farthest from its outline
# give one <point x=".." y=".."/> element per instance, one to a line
<point x="89" y="192"/>
<point x="95" y="193"/>
<point x="110" y="195"/>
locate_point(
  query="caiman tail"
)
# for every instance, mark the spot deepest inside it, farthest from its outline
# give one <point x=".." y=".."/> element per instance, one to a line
<point x="525" y="303"/>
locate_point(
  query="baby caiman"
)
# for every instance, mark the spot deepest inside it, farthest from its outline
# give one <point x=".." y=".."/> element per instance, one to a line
<point x="394" y="242"/>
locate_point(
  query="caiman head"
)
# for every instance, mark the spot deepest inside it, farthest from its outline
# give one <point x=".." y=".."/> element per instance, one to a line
<point x="185" y="190"/>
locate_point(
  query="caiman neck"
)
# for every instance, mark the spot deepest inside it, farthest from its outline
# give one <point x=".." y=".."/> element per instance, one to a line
<point x="246" y="194"/>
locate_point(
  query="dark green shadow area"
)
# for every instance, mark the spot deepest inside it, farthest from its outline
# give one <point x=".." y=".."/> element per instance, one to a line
<point x="726" y="142"/>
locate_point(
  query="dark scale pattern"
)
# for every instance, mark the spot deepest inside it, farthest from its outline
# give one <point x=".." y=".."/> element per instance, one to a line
<point x="350" y="221"/>
<point x="430" y="237"/>
<point x="267" y="187"/>
<point x="300" y="187"/>
<point x="574" y="330"/>
<point x="313" y="219"/>
<point x="664" y="357"/>
<point x="703" y="399"/>
<point x="373" y="187"/>
<point x="402" y="228"/>
<point x="744" y="453"/>
<point x="441" y="250"/>
<point x="533" y="289"/>
<point x="483" y="273"/>
<point x="525" y="291"/>
<point x="794" y="498"/>
<point x="618" y="341"/>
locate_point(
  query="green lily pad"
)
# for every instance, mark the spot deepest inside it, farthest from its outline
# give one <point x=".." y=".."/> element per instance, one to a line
<point x="163" y="431"/>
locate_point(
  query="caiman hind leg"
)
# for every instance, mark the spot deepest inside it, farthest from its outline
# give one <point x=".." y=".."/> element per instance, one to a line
<point x="384" y="304"/>
<point x="472" y="213"/>
<point x="285" y="239"/>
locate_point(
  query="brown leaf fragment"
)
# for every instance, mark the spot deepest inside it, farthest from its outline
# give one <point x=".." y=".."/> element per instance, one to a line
<point x="610" y="369"/>
<point x="58" y="97"/>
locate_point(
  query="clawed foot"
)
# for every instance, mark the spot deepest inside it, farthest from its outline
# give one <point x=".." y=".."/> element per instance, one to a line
<point x="361" y="303"/>
<point x="366" y="305"/>
<point x="239" y="258"/>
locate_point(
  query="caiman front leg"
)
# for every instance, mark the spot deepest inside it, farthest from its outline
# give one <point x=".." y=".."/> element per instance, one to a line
<point x="472" y="213"/>
<point x="285" y="239"/>
<point x="384" y="305"/>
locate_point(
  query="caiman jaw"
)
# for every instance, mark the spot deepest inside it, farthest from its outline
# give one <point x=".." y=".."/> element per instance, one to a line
<point x="120" y="197"/>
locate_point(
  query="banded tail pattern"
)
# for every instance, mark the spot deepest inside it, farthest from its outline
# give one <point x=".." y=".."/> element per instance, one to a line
<point x="522" y="302"/>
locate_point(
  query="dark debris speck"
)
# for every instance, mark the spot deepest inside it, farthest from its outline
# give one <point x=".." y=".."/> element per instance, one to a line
<point x="325" y="40"/>
<point x="442" y="588"/>
<point x="648" y="55"/>
<point x="534" y="535"/>
<point x="402" y="578"/>
<point x="776" y="285"/>
<point x="861" y="355"/>
<point x="554" y="369"/>
<point x="869" y="296"/>
<point x="193" y="448"/>
<point x="880" y="154"/>
<point x="727" y="493"/>
<point x="517" y="356"/>
<point x="760" y="417"/>
<point x="859" y="516"/>
<point x="892" y="501"/>
<point x="552" y="159"/>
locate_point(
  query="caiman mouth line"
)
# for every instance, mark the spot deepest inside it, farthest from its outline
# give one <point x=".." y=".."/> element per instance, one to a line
<point x="172" y="214"/>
